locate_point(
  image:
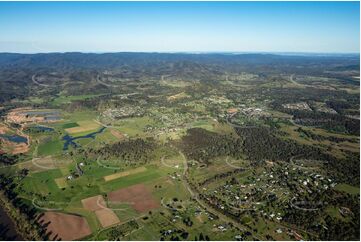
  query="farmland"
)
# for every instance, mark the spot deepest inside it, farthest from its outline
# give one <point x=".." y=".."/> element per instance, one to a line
<point x="217" y="150"/>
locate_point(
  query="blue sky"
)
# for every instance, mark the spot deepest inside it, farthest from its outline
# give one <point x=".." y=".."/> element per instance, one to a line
<point x="29" y="27"/>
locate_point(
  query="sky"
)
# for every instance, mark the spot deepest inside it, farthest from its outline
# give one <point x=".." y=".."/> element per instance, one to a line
<point x="322" y="27"/>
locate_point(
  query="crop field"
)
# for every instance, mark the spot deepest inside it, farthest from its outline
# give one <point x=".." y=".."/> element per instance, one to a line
<point x="68" y="99"/>
<point x="138" y="196"/>
<point x="82" y="127"/>
<point x="65" y="226"/>
<point x="124" y="173"/>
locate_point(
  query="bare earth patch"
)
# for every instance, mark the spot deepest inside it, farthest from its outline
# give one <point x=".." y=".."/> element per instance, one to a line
<point x="66" y="226"/>
<point x="232" y="110"/>
<point x="92" y="203"/>
<point x="117" y="134"/>
<point x="98" y="205"/>
<point x="19" y="115"/>
<point x="177" y="96"/>
<point x="19" y="148"/>
<point x="107" y="217"/>
<point x="124" y="173"/>
<point x="3" y="129"/>
<point x="138" y="195"/>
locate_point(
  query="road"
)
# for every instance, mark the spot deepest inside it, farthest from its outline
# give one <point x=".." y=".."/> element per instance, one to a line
<point x="33" y="78"/>
<point x="37" y="83"/>
<point x="294" y="82"/>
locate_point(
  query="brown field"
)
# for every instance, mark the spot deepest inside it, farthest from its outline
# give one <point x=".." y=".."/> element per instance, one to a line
<point x="20" y="148"/>
<point x="138" y="195"/>
<point x="17" y="115"/>
<point x="125" y="173"/>
<point x="3" y="129"/>
<point x="232" y="110"/>
<point x="92" y="203"/>
<point x="117" y="134"/>
<point x="66" y="226"/>
<point x="84" y="126"/>
<point x="106" y="217"/>
<point x="14" y="148"/>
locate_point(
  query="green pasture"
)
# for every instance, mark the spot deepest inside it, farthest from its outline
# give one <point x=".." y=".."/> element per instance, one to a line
<point x="68" y="99"/>
<point x="133" y="126"/>
<point x="343" y="187"/>
<point x="52" y="147"/>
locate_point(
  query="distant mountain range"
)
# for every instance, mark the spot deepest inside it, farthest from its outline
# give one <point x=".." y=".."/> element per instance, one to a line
<point x="111" y="60"/>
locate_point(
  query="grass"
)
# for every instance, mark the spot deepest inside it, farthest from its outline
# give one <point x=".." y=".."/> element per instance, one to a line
<point x="169" y="189"/>
<point x="42" y="182"/>
<point x="61" y="182"/>
<point x="149" y="175"/>
<point x="218" y="165"/>
<point x="69" y="125"/>
<point x="177" y="96"/>
<point x="204" y="124"/>
<point x="82" y="115"/>
<point x="106" y="136"/>
<point x="68" y="99"/>
<point x="36" y="100"/>
<point x="127" y="213"/>
<point x="55" y="146"/>
<point x="175" y="83"/>
<point x="134" y="126"/>
<point x="83" y="127"/>
<point x="333" y="212"/>
<point x="343" y="187"/>
<point x="90" y="216"/>
<point x="97" y="172"/>
<point x="125" y="173"/>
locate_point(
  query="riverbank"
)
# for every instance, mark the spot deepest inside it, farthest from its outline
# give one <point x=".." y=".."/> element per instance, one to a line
<point x="16" y="222"/>
<point x="8" y="223"/>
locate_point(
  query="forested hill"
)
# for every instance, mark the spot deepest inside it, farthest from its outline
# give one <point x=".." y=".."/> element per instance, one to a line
<point x="113" y="60"/>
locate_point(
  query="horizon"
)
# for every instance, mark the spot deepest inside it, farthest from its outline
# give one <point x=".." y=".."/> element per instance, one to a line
<point x="196" y="53"/>
<point x="176" y="27"/>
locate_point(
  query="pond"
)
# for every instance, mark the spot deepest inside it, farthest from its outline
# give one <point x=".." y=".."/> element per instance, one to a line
<point x="51" y="115"/>
<point x="14" y="138"/>
<point x="39" y="129"/>
<point x="69" y="140"/>
<point x="37" y="113"/>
